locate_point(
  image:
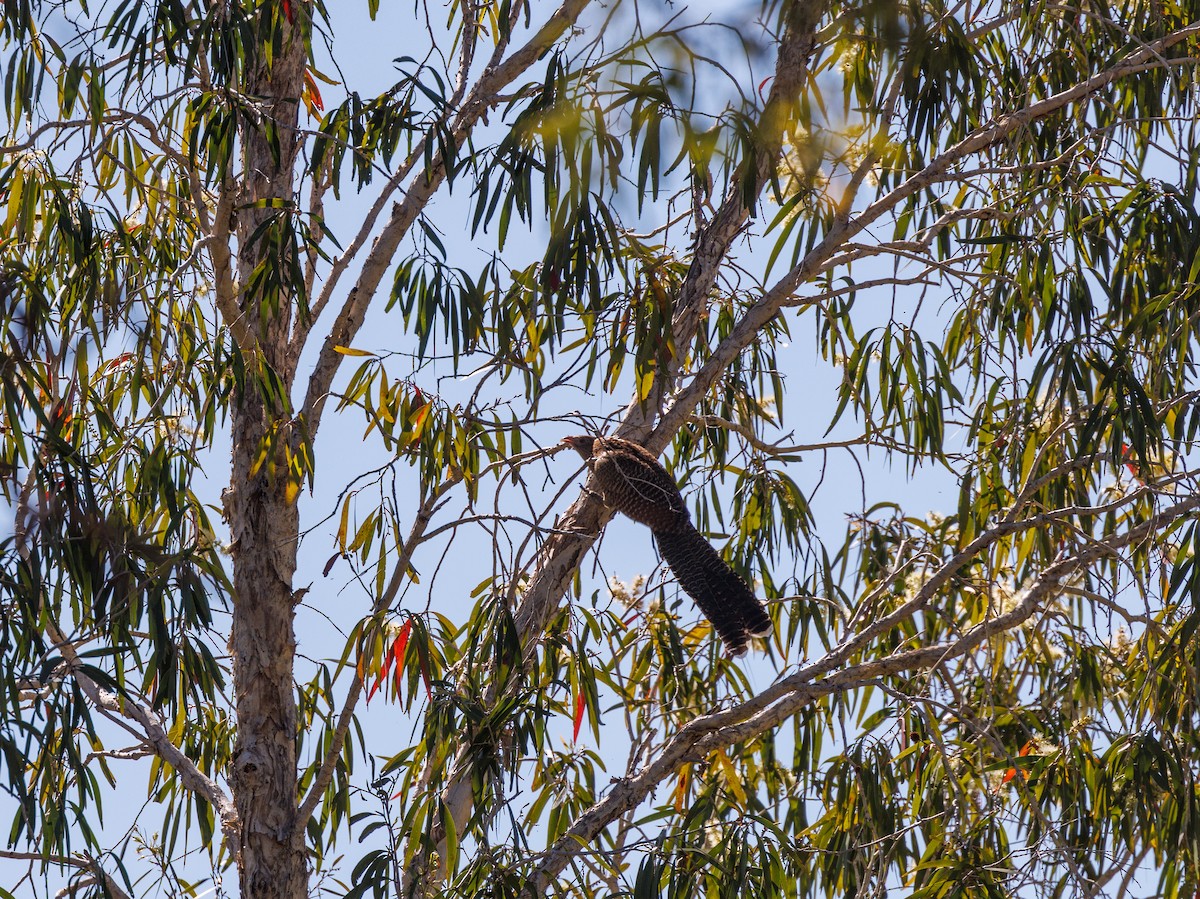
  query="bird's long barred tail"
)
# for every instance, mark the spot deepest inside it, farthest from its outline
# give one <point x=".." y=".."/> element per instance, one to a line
<point x="722" y="596"/>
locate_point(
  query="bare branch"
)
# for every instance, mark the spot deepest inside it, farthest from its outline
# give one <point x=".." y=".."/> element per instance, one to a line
<point x="82" y="862"/>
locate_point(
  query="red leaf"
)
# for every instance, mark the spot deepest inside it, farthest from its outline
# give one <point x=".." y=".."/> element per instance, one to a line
<point x="1127" y="456"/>
<point x="383" y="673"/>
<point x="374" y="687"/>
<point x="398" y="648"/>
<point x="763" y="84"/>
<point x="287" y="11"/>
<point x="1012" y="772"/>
<point x="312" y="93"/>
<point x="119" y="362"/>
<point x="580" y="705"/>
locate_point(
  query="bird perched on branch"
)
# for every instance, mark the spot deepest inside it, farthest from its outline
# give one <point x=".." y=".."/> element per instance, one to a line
<point x="632" y="481"/>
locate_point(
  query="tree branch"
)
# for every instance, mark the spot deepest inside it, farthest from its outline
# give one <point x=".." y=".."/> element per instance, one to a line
<point x="466" y="58"/>
<point x="781" y="294"/>
<point x="382" y="604"/>
<point x="154" y="735"/>
<point x="82" y="862"/>
<point x="417" y="195"/>
<point x="715" y="239"/>
<point x="770" y="708"/>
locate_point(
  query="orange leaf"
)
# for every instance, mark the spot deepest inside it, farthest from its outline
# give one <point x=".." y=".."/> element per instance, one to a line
<point x="418" y="417"/>
<point x="1127" y="456"/>
<point x="312" y="93"/>
<point x="119" y="362"/>
<point x="1012" y="772"/>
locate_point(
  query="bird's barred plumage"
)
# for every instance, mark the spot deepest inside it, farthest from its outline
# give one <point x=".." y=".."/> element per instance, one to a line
<point x="632" y="481"/>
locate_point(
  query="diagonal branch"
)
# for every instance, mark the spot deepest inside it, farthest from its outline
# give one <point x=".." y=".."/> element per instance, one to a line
<point x="415" y="537"/>
<point x="466" y="58"/>
<point x="150" y="731"/>
<point x="421" y="189"/>
<point x="585" y="518"/>
<point x="843" y="230"/>
<point x="573" y="537"/>
<point x="716" y="237"/>
<point x="775" y="705"/>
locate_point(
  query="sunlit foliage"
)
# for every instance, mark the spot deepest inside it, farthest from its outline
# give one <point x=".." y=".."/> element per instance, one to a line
<point x="816" y="253"/>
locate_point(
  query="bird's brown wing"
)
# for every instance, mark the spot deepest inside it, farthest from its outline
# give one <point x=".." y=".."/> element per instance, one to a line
<point x="634" y="483"/>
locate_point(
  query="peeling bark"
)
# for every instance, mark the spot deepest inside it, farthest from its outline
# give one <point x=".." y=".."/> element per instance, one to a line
<point x="263" y="521"/>
<point x="263" y="645"/>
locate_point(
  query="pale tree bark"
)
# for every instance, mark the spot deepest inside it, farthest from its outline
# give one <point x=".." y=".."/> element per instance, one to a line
<point x="262" y="516"/>
<point x="581" y="525"/>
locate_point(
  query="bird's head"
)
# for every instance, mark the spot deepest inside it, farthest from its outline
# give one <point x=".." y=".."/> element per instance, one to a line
<point x="582" y="444"/>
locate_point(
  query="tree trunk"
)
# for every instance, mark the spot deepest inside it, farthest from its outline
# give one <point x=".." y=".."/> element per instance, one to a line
<point x="263" y="643"/>
<point x="263" y="519"/>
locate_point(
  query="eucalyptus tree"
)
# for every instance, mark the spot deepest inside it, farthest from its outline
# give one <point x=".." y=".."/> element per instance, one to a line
<point x="965" y="233"/>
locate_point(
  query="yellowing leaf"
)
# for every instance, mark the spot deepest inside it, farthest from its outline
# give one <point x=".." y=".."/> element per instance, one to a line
<point x="645" y="384"/>
<point x="343" y="525"/>
<point x="733" y="781"/>
<point x="15" y="189"/>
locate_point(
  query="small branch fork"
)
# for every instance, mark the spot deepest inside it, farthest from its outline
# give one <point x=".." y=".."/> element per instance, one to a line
<point x="421" y="188"/>
<point x="125" y="711"/>
<point x="96" y="874"/>
<point x="382" y="604"/>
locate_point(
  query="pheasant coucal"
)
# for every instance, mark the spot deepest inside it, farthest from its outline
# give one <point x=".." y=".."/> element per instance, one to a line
<point x="631" y="481"/>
